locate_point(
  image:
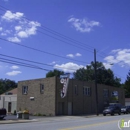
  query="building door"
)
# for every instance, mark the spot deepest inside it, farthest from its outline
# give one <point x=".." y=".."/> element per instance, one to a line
<point x="9" y="106"/>
<point x="69" y="108"/>
<point x="61" y="108"/>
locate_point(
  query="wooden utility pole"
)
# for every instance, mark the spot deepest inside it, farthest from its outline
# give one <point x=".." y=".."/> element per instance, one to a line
<point x="96" y="90"/>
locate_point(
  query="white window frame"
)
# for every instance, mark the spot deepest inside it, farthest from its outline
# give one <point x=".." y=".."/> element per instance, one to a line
<point x="87" y="91"/>
<point x="25" y="90"/>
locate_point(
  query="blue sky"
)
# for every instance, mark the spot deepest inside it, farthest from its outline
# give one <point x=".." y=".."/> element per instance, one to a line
<point x="41" y="24"/>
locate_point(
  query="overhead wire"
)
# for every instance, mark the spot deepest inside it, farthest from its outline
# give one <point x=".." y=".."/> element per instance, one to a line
<point x="81" y="45"/>
<point x="39" y="50"/>
<point x="12" y="57"/>
<point x="61" y="36"/>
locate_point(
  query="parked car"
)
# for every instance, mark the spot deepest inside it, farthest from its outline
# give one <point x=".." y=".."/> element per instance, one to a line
<point x="125" y="109"/>
<point x="2" y="113"/>
<point x="112" y="110"/>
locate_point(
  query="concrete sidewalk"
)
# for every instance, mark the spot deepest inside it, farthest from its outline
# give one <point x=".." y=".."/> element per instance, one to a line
<point x="12" y="119"/>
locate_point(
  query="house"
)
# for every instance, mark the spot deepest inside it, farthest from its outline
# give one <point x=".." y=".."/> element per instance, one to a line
<point x="44" y="96"/>
<point x="8" y="100"/>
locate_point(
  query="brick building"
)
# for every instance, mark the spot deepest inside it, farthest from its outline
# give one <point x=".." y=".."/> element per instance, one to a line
<point x="43" y="96"/>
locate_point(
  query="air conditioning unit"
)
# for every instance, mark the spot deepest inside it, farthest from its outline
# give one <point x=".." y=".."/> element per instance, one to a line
<point x="31" y="98"/>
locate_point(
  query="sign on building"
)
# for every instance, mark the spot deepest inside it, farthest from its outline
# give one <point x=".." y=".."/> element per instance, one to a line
<point x="64" y="79"/>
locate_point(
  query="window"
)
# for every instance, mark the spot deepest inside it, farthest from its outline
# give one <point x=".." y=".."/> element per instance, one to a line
<point x="41" y="88"/>
<point x="25" y="89"/>
<point x="105" y="93"/>
<point x="87" y="91"/>
<point x="76" y="90"/>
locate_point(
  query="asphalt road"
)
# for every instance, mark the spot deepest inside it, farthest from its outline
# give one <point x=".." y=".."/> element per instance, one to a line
<point x="71" y="123"/>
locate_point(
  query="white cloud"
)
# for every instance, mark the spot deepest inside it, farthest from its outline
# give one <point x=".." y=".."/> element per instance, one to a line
<point x="120" y="57"/>
<point x="52" y="63"/>
<point x="14" y="39"/>
<point x="83" y="25"/>
<point x="13" y="73"/>
<point x="6" y="0"/>
<point x="17" y="28"/>
<point x="78" y="54"/>
<point x="70" y="55"/>
<point x="9" y="16"/>
<point x="22" y="34"/>
<point x="14" y="67"/>
<point x="3" y="34"/>
<point x="73" y="55"/>
<point x="15" y="32"/>
<point x="107" y="65"/>
<point x="69" y="67"/>
<point x="1" y="28"/>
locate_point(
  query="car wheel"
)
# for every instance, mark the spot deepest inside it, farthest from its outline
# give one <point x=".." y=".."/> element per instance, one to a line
<point x="104" y="114"/>
<point x="119" y="113"/>
<point x="112" y="114"/>
<point x="1" y="118"/>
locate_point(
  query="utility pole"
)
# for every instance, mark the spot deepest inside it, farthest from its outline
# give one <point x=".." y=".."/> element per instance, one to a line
<point x="96" y="92"/>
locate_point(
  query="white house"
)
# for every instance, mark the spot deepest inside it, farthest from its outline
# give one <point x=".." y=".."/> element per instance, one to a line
<point x="8" y="100"/>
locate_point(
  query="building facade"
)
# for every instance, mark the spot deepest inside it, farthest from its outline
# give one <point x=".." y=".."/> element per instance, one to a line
<point x="8" y="101"/>
<point x="43" y="96"/>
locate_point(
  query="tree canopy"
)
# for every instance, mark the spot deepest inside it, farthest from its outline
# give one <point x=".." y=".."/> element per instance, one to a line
<point x="53" y="73"/>
<point x="127" y="86"/>
<point x="6" y="85"/>
<point x="104" y="76"/>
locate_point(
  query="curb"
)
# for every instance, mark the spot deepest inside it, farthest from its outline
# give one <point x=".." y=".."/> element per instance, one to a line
<point x="17" y="121"/>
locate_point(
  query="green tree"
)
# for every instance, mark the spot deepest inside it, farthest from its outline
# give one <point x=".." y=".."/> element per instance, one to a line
<point x="104" y="76"/>
<point x="6" y="85"/>
<point x="127" y="86"/>
<point x="53" y="73"/>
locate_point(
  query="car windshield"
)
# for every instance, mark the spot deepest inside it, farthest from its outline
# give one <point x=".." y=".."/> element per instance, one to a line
<point x="110" y="107"/>
<point x="123" y="107"/>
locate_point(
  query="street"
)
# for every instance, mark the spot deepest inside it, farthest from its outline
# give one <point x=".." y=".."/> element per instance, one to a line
<point x="70" y="123"/>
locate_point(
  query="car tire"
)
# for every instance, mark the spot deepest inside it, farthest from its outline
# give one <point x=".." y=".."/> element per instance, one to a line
<point x="119" y="113"/>
<point x="112" y="114"/>
<point x="1" y="118"/>
<point x="104" y="114"/>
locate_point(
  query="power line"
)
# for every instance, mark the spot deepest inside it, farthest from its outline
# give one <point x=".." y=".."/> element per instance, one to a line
<point x="61" y="36"/>
<point x="22" y="64"/>
<point x="30" y="61"/>
<point x="39" y="50"/>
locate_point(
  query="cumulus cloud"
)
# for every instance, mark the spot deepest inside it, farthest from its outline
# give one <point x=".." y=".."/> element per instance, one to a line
<point x="107" y="65"/>
<point x="83" y="25"/>
<point x="9" y="16"/>
<point x="13" y="73"/>
<point x="70" y="55"/>
<point x="6" y="0"/>
<point x="14" y="39"/>
<point x="17" y="28"/>
<point x="16" y="31"/>
<point x="14" y="67"/>
<point x="119" y="56"/>
<point x="78" y="54"/>
<point x="1" y="28"/>
<point x="74" y="55"/>
<point x="53" y="62"/>
<point x="69" y="67"/>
